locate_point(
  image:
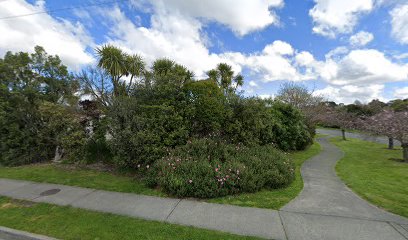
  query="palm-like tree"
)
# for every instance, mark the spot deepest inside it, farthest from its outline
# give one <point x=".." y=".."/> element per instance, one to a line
<point x="135" y="67"/>
<point x="118" y="64"/>
<point x="224" y="76"/>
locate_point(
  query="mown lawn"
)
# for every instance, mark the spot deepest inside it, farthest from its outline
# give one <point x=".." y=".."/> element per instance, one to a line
<point x="60" y="174"/>
<point x="72" y="223"/>
<point x="75" y="176"/>
<point x="274" y="198"/>
<point x="375" y="173"/>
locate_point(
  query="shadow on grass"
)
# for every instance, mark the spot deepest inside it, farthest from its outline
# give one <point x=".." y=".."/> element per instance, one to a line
<point x="400" y="160"/>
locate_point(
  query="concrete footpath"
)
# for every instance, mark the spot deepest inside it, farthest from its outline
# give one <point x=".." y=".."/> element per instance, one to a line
<point x="325" y="209"/>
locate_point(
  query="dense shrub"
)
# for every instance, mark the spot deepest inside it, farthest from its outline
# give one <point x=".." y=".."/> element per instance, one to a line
<point x="34" y="89"/>
<point x="206" y="168"/>
<point x="259" y="122"/>
<point x="290" y="132"/>
<point x="251" y="122"/>
<point x="140" y="133"/>
<point x="207" y="108"/>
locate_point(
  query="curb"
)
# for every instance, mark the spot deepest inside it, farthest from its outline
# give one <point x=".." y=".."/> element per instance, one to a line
<point x="12" y="234"/>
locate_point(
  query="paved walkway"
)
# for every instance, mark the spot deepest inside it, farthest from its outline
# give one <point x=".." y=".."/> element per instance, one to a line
<point x="361" y="136"/>
<point x="326" y="208"/>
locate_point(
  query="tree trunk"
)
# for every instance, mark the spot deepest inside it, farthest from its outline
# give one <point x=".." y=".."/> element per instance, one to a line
<point x="405" y="152"/>
<point x="343" y="134"/>
<point x="390" y="143"/>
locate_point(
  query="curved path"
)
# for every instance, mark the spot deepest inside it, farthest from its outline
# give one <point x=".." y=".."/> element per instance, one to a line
<point x="330" y="210"/>
<point x="326" y="209"/>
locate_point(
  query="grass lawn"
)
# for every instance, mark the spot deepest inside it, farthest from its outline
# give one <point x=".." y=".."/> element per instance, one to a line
<point x="373" y="172"/>
<point x="274" y="198"/>
<point x="72" y="223"/>
<point x="60" y="174"/>
<point x="66" y="175"/>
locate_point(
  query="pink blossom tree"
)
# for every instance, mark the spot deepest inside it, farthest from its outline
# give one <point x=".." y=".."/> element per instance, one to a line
<point x="342" y="119"/>
<point x="392" y="124"/>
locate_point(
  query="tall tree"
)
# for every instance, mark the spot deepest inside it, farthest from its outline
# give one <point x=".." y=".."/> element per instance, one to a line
<point x="119" y="64"/>
<point x="224" y="76"/>
<point x="27" y="83"/>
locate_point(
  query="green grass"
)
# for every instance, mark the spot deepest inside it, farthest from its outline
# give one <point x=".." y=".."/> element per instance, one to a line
<point x="374" y="172"/>
<point x="71" y="223"/>
<point x="274" y="198"/>
<point x="66" y="175"/>
<point x="60" y="174"/>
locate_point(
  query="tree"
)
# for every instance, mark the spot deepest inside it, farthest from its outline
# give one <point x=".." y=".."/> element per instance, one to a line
<point x="300" y="97"/>
<point x="224" y="76"/>
<point x="97" y="83"/>
<point x="119" y="64"/>
<point x="341" y="119"/>
<point x="297" y="95"/>
<point x="392" y="124"/>
<point x="28" y="82"/>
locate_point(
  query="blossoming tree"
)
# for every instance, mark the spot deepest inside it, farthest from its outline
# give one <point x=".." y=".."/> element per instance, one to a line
<point x="392" y="124"/>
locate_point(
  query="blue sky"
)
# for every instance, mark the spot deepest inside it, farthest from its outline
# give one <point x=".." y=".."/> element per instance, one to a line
<point x="343" y="50"/>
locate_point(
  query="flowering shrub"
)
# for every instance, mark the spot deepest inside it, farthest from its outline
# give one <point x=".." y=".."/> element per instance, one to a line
<point x="206" y="168"/>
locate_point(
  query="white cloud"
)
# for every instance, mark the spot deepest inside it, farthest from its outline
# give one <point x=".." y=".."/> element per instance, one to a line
<point x="401" y="93"/>
<point x="358" y="75"/>
<point x="67" y="39"/>
<point x="361" y="39"/>
<point x="180" y="38"/>
<point x="368" y="66"/>
<point x="275" y="62"/>
<point x="242" y="16"/>
<point x="170" y="36"/>
<point x="399" y="22"/>
<point x="304" y="58"/>
<point x="253" y="84"/>
<point x="349" y="93"/>
<point x="331" y="17"/>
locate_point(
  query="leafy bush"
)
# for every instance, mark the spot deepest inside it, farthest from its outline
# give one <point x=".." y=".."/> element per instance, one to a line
<point x="207" y="107"/>
<point x="291" y="132"/>
<point x="251" y="122"/>
<point x="207" y="168"/>
<point x="260" y="122"/>
<point x="140" y="133"/>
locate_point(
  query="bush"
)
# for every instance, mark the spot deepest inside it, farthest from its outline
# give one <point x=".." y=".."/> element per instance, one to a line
<point x="260" y="122"/>
<point x="207" y="109"/>
<point x="206" y="168"/>
<point x="291" y="132"/>
<point x="141" y="133"/>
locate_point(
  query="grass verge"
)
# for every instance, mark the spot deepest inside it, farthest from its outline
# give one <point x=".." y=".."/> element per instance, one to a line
<point x="72" y="223"/>
<point x="274" y="198"/>
<point x="374" y="172"/>
<point x="61" y="174"/>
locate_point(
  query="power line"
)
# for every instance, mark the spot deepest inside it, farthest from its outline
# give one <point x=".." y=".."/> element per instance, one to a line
<point x="61" y="9"/>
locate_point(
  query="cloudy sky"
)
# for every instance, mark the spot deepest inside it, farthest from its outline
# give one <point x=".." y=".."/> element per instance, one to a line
<point x="345" y="50"/>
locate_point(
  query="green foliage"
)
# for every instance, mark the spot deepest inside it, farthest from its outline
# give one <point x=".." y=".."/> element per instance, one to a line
<point x="27" y="83"/>
<point x="251" y="122"/>
<point x="154" y="111"/>
<point x="140" y="133"/>
<point x="207" y="168"/>
<point x="207" y="109"/>
<point x="399" y="105"/>
<point x="258" y="122"/>
<point x="290" y="133"/>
